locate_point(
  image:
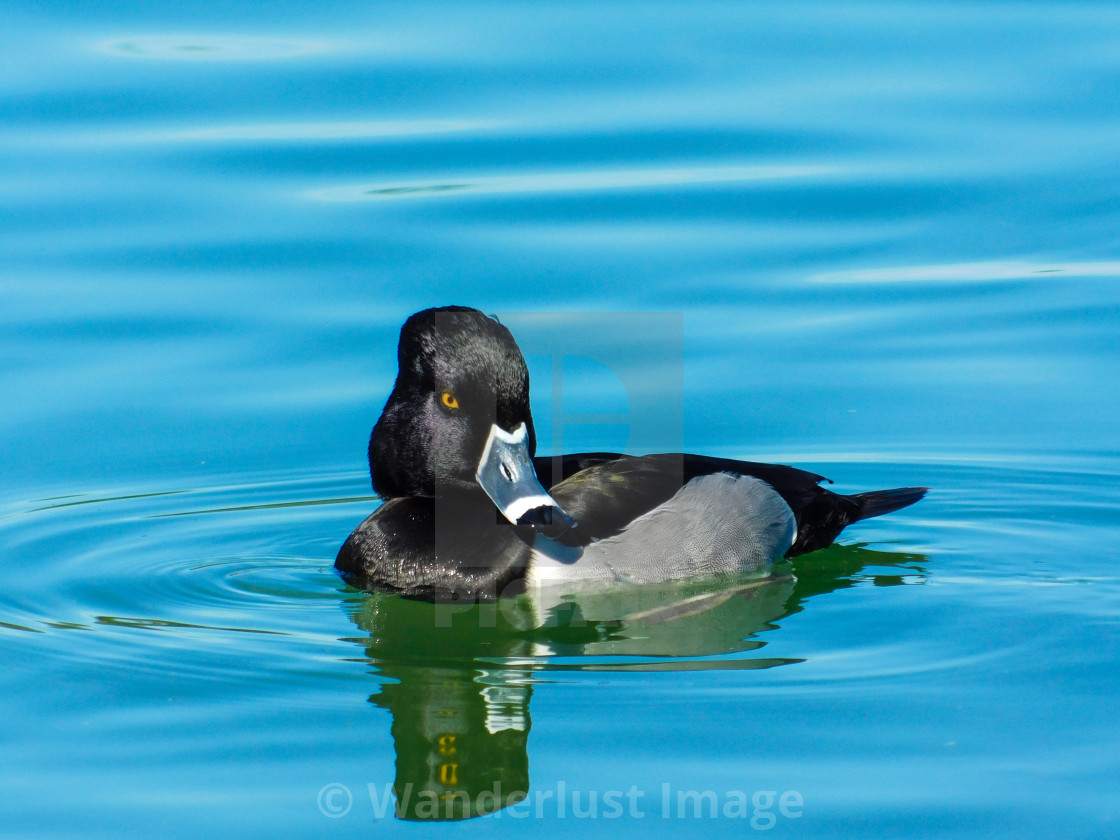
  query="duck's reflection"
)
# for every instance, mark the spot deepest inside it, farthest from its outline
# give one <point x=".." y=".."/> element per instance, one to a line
<point x="460" y="736"/>
<point x="459" y="678"/>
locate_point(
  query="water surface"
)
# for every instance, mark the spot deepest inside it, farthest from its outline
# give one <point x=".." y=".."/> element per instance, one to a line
<point x="874" y="240"/>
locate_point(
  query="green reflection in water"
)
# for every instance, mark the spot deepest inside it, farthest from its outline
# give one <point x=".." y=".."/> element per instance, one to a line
<point x="461" y="677"/>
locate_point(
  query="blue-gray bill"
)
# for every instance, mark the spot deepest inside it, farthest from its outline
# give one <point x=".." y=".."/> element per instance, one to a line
<point x="506" y="473"/>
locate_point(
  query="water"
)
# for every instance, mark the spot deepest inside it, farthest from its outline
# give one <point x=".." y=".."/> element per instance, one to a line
<point x="885" y="236"/>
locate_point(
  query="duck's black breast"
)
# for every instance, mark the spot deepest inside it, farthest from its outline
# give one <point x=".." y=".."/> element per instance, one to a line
<point x="438" y="549"/>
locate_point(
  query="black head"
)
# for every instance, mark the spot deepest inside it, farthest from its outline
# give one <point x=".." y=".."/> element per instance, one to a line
<point x="460" y="373"/>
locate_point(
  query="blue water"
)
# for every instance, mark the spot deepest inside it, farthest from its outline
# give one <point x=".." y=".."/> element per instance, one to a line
<point x="875" y="240"/>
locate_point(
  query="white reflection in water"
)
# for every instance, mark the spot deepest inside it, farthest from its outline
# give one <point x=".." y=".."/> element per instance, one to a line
<point x="362" y="130"/>
<point x="972" y="272"/>
<point x="253" y="133"/>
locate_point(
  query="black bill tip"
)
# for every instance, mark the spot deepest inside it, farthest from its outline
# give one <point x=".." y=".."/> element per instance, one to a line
<point x="548" y="521"/>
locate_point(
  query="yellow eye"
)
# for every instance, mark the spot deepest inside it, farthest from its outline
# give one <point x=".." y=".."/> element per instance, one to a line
<point x="448" y="400"/>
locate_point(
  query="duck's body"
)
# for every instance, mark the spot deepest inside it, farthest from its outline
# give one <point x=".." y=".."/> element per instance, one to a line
<point x="718" y="524"/>
<point x="452" y="455"/>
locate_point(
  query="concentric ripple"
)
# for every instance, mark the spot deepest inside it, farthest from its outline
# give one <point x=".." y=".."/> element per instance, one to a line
<point x="196" y="567"/>
<point x="246" y="560"/>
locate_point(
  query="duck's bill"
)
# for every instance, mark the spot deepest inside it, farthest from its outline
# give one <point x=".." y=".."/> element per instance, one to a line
<point x="506" y="473"/>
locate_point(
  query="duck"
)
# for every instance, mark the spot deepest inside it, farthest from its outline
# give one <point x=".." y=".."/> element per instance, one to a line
<point x="470" y="513"/>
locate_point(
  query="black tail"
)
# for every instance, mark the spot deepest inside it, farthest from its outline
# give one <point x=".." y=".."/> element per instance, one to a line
<point x="821" y="519"/>
<point x="878" y="502"/>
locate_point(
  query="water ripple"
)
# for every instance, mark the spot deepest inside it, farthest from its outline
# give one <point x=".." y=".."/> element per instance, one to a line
<point x="575" y="181"/>
<point x="187" y="47"/>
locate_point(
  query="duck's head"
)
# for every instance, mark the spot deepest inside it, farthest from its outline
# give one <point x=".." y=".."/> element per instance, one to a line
<point x="458" y="419"/>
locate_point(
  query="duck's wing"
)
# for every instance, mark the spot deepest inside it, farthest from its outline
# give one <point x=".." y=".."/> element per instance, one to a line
<point x="605" y="491"/>
<point x="551" y="470"/>
<point x="607" y="495"/>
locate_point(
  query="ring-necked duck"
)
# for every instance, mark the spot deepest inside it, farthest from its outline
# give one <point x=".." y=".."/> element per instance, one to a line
<point x="471" y="514"/>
